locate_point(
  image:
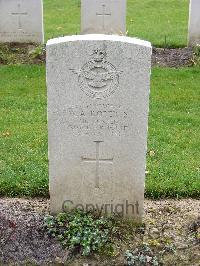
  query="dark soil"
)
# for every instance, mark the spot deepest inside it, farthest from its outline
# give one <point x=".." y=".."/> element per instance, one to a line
<point x="173" y="57"/>
<point x="14" y="53"/>
<point x="22" y="237"/>
<point x="24" y="241"/>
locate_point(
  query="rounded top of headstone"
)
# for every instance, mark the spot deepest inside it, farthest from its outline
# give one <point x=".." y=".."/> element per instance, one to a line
<point x="98" y="37"/>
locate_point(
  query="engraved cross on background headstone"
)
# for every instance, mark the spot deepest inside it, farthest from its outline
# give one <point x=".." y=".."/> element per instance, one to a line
<point x="19" y="14"/>
<point x="97" y="160"/>
<point x="103" y="14"/>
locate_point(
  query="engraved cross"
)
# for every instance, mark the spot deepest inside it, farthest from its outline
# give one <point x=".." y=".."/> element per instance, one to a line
<point x="103" y="14"/>
<point x="97" y="160"/>
<point x="19" y="14"/>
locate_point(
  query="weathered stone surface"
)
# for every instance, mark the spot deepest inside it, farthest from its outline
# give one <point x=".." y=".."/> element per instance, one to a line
<point x="98" y="93"/>
<point x="21" y="21"/>
<point x="194" y="23"/>
<point x="103" y="16"/>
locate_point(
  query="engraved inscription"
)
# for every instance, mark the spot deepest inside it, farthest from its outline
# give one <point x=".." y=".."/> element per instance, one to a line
<point x="96" y="119"/>
<point x="17" y="34"/>
<point x="97" y="160"/>
<point x="103" y="14"/>
<point x="19" y="14"/>
<point x="98" y="78"/>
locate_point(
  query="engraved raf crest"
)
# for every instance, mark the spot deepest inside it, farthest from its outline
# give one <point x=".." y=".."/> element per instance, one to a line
<point x="98" y="78"/>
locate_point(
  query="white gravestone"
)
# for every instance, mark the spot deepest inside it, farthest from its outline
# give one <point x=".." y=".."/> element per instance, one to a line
<point x="194" y="23"/>
<point x="103" y="16"/>
<point x="98" y="94"/>
<point x="21" y="21"/>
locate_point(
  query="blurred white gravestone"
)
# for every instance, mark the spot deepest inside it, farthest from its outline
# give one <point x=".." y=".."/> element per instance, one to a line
<point x="98" y="94"/>
<point x="21" y="21"/>
<point x="103" y="16"/>
<point x="194" y="23"/>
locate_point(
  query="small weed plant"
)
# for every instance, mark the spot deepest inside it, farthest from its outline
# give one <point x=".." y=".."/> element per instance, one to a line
<point x="145" y="256"/>
<point x="38" y="52"/>
<point x="141" y="256"/>
<point x="196" y="57"/>
<point x="83" y="231"/>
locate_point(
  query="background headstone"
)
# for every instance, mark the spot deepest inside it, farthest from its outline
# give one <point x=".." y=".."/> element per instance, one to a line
<point x="21" y="21"/>
<point x="103" y="16"/>
<point x="98" y="93"/>
<point x="194" y="23"/>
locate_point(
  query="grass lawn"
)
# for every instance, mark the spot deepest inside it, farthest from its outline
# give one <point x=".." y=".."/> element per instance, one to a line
<point x="163" y="22"/>
<point x="173" y="144"/>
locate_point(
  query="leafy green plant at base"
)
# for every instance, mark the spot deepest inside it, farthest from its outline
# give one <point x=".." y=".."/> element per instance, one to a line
<point x="81" y="230"/>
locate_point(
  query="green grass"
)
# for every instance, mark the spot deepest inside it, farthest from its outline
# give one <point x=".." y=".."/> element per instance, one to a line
<point x="23" y="131"/>
<point x="163" y="22"/>
<point x="174" y="121"/>
<point x="174" y="127"/>
<point x="61" y="17"/>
